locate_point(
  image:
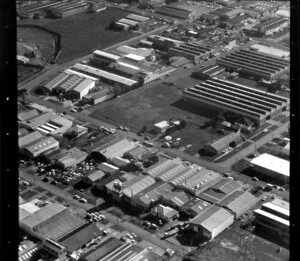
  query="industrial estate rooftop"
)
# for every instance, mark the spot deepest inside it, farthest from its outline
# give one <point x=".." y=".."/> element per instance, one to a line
<point x="243" y="100"/>
<point x="255" y="63"/>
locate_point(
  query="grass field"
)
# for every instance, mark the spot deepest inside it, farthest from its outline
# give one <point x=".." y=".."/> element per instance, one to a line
<point x="82" y="33"/>
<point x="144" y="107"/>
<point x="25" y="72"/>
<point x="39" y="37"/>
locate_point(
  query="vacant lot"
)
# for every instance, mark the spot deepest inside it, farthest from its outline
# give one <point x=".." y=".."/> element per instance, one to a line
<point x="39" y="37"/>
<point x="144" y="107"/>
<point x="82" y="33"/>
<point x="26" y="72"/>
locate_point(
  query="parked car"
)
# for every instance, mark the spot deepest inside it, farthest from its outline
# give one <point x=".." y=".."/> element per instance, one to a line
<point x="76" y="197"/>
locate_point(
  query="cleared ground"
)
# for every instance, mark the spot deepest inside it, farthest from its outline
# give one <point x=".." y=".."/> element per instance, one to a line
<point x="39" y="37"/>
<point x="144" y="107"/>
<point x="25" y="72"/>
<point x="84" y="32"/>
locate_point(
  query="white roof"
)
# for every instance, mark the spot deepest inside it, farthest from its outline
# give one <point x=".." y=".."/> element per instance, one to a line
<point x="284" y="13"/>
<point x="103" y="74"/>
<point x="86" y="84"/>
<point x="118" y="149"/>
<point x="272" y="163"/>
<point x="106" y="55"/>
<point x="277" y="208"/>
<point x="138" y="17"/>
<point x="30" y="207"/>
<point x="282" y="203"/>
<point x="271" y="216"/>
<point x="129" y="65"/>
<point x="270" y="50"/>
<point x="162" y="124"/>
<point x="134" y="57"/>
<point x="70" y="71"/>
<point x="128" y="21"/>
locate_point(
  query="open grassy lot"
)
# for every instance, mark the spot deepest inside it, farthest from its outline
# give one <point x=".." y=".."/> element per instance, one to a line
<point x="39" y="37"/>
<point x="144" y="107"/>
<point x="25" y="72"/>
<point x="82" y="33"/>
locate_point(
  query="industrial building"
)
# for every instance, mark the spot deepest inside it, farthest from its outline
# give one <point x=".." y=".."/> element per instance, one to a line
<point x="249" y="62"/>
<point x="79" y="237"/>
<point x="120" y="162"/>
<point x="29" y="138"/>
<point x="114" y="148"/>
<point x="163" y="43"/>
<point x="138" y="18"/>
<point x="56" y="126"/>
<point x="175" y="199"/>
<point x="219" y="190"/>
<point x="272" y="26"/>
<point x="242" y="100"/>
<point x="75" y="84"/>
<point x="113" y="249"/>
<point x="99" y="96"/>
<point x="272" y="166"/>
<point x="136" y="153"/>
<point x="161" y="167"/>
<point x="94" y="176"/>
<point x="212" y="222"/>
<point x="27" y="115"/>
<point x="239" y="202"/>
<point x="104" y="58"/>
<point x="148" y="197"/>
<point x="196" y="183"/>
<point x="208" y="72"/>
<point x="148" y="53"/>
<point x="70" y="158"/>
<point x="269" y="50"/>
<point x="38" y="120"/>
<point x="40" y="146"/>
<point x="192" y="51"/>
<point x="161" y="127"/>
<point x="54" y="248"/>
<point x="68" y="8"/>
<point x="165" y="213"/>
<point x="176" y="12"/>
<point x="218" y="146"/>
<point x="195" y="207"/>
<point x="135" y="186"/>
<point x="105" y="76"/>
<point x="273" y="218"/>
<point x="107" y="168"/>
<point x="129" y="22"/>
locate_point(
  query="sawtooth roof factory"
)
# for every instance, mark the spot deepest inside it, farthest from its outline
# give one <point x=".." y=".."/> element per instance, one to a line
<point x="249" y="102"/>
<point x="255" y="64"/>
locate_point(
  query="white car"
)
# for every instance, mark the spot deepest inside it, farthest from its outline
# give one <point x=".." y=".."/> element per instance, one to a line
<point x="76" y="197"/>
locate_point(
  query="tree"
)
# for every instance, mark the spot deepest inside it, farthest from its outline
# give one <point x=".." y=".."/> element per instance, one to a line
<point x="23" y="93"/>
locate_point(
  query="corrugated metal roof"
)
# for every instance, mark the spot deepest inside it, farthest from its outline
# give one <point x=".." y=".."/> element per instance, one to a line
<point x="42" y="214"/>
<point x="24" y="116"/>
<point x="268" y="215"/>
<point x="104" y="74"/>
<point x="128" y="21"/>
<point x="224" y="142"/>
<point x="276" y="208"/>
<point x="239" y="202"/>
<point x="213" y="218"/>
<point x="281" y="203"/>
<point x="30" y="138"/>
<point x="54" y="82"/>
<point x="96" y="175"/>
<point x="179" y="198"/>
<point x="196" y="205"/>
<point x="42" y="145"/>
<point x="137" y="184"/>
<point x="118" y="149"/>
<point x="171" y="173"/>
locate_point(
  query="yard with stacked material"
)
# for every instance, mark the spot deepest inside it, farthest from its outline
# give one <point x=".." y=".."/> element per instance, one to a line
<point x="146" y="106"/>
<point x="81" y="33"/>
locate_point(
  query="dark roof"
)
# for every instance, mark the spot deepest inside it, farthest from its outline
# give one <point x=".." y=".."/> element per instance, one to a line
<point x="196" y="205"/>
<point x="102" y="250"/>
<point x="77" y="238"/>
<point x="100" y="143"/>
<point x="219" y="191"/>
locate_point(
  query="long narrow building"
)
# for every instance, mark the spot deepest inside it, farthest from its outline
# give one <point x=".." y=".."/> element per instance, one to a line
<point x="255" y="64"/>
<point x="242" y="100"/>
